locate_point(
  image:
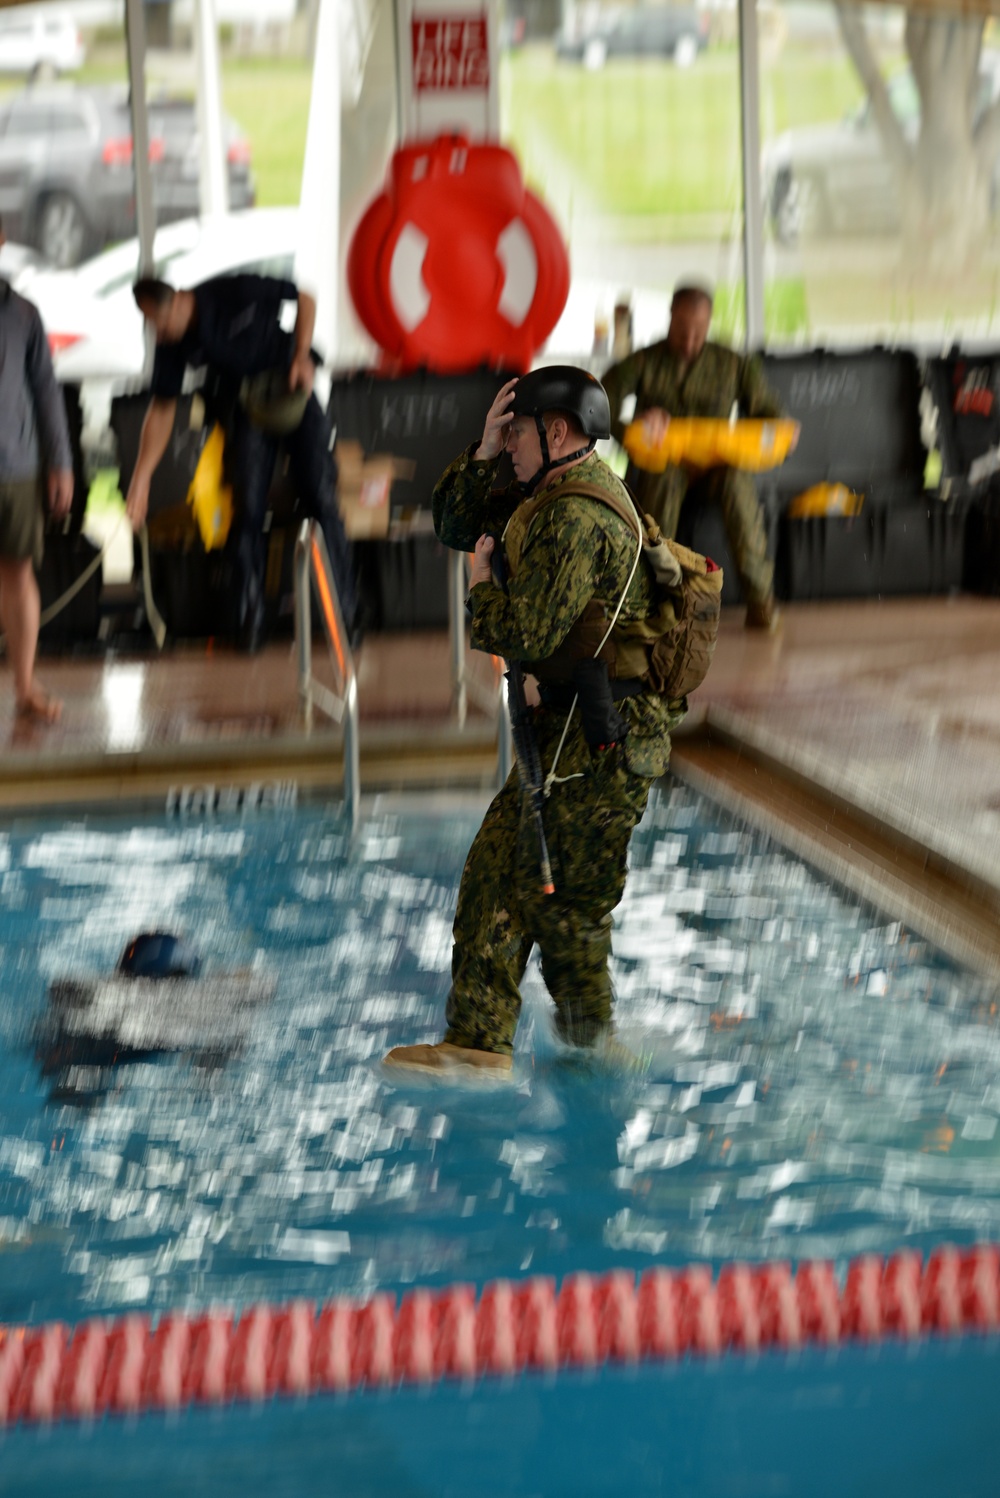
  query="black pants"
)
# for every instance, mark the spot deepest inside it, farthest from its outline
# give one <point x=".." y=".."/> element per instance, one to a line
<point x="252" y="454"/>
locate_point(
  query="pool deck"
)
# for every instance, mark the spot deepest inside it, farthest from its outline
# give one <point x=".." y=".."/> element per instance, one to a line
<point x="890" y="707"/>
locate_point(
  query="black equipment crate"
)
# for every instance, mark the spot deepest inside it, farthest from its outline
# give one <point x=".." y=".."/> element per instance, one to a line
<point x="701" y="528"/>
<point x="196" y="594"/>
<point x="67" y="556"/>
<point x="982" y="544"/>
<point x="191" y="591"/>
<point x="828" y="556"/>
<point x="176" y="468"/>
<point x="425" y="420"/>
<point x="965" y="390"/>
<point x="421" y="418"/>
<point x="921" y="546"/>
<point x="74" y="422"/>
<point x="860" y="425"/>
<point x="413" y="583"/>
<point x="896" y="550"/>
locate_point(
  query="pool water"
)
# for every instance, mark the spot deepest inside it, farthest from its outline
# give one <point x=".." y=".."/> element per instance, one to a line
<point x="814" y="1081"/>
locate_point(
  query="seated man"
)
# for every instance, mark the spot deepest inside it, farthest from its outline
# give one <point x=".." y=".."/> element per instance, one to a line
<point x="231" y="326"/>
<point x="686" y="375"/>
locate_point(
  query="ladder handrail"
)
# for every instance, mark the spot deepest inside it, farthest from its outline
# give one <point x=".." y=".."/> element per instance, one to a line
<point x="312" y="561"/>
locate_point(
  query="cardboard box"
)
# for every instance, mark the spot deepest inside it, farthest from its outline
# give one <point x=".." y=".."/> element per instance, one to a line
<point x="365" y="488"/>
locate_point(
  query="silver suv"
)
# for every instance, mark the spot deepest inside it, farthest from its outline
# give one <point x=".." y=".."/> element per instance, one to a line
<point x="67" y="186"/>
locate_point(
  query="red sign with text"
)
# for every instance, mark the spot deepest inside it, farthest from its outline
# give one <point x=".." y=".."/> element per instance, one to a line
<point x="450" y="52"/>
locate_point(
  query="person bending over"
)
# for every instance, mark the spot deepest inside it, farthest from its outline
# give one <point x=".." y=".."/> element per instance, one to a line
<point x="231" y="327"/>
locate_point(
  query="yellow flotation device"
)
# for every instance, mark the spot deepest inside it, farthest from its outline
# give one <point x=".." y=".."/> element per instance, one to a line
<point x="705" y="443"/>
<point x="209" y="496"/>
<point x="825" y="499"/>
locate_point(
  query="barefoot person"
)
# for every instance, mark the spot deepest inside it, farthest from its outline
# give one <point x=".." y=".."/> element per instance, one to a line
<point x="36" y="468"/>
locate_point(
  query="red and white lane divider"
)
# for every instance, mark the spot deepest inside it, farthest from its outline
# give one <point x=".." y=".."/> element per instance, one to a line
<point x="126" y="1364"/>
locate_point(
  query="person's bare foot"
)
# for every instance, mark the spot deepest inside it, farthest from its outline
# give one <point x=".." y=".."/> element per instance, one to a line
<point x="39" y="707"/>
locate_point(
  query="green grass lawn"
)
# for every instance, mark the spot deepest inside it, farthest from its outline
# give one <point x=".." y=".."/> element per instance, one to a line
<point x="641" y="139"/>
<point x="644" y="138"/>
<point x="270" y="101"/>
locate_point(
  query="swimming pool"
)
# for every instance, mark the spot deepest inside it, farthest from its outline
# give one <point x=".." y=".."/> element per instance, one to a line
<point x="816" y="1082"/>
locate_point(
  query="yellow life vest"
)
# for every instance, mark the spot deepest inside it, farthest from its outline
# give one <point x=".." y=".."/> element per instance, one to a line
<point x="825" y="499"/>
<point x="209" y="496"/>
<point x="703" y="443"/>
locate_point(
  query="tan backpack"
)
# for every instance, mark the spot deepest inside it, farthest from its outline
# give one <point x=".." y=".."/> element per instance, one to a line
<point x="673" y="648"/>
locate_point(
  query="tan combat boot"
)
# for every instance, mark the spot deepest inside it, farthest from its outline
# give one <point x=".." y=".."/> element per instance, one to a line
<point x="763" y="615"/>
<point x="445" y="1057"/>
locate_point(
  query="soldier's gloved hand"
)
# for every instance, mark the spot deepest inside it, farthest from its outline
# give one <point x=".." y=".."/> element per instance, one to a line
<point x="498" y="420"/>
<point x="482" y="568"/>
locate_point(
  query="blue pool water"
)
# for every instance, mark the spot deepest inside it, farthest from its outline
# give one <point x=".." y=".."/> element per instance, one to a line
<point x="816" y="1082"/>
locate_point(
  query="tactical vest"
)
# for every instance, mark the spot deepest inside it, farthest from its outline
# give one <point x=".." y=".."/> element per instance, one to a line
<point x="672" y="647"/>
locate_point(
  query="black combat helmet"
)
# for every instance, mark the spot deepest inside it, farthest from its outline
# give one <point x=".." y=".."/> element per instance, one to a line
<point x="564" y="387"/>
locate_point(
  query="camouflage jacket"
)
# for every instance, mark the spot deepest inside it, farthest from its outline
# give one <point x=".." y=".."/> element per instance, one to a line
<point x="709" y="387"/>
<point x="577" y="549"/>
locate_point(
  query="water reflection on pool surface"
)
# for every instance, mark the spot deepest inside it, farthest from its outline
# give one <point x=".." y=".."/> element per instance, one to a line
<point x="813" y="1080"/>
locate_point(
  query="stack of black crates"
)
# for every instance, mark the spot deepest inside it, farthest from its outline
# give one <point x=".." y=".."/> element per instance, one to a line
<point x="423" y="421"/>
<point x="965" y="391"/>
<point x="194" y="589"/>
<point x="860" y="415"/>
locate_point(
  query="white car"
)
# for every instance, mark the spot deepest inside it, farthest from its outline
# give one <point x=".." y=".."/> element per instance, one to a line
<point x="94" y="328"/>
<point x="35" y="41"/>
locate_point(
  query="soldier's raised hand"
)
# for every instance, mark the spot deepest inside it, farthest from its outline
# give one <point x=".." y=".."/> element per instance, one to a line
<point x="498" y="420"/>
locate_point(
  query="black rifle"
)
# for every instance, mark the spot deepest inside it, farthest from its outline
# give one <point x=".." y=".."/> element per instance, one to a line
<point x="529" y="764"/>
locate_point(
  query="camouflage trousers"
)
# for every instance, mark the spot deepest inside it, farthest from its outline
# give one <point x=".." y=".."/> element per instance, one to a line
<point x="663" y="494"/>
<point x="502" y="912"/>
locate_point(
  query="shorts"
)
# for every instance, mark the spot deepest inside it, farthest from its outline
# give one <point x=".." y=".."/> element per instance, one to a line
<point x="22" y="520"/>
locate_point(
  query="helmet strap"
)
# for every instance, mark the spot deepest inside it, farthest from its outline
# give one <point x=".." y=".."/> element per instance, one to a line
<point x="548" y="463"/>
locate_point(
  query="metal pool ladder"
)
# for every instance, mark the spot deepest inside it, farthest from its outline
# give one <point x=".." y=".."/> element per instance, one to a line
<point x="312" y="560"/>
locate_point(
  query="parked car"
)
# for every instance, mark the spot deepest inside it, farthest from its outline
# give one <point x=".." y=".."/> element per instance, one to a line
<point x="94" y="328"/>
<point x="39" y="41"/>
<point x="67" y="184"/>
<point x="676" y="31"/>
<point x="838" y="178"/>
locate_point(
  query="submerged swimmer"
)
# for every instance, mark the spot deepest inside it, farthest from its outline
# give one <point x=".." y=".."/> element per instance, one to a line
<point x="156" y="1000"/>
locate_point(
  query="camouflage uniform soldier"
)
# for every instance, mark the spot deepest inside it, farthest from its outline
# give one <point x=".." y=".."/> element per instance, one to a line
<point x="684" y="375"/>
<point x="564" y="550"/>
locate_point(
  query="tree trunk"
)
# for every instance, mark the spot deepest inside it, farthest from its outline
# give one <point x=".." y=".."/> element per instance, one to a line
<point x="944" y="173"/>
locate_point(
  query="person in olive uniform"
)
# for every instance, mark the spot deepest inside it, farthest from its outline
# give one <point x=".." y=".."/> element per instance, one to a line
<point x="571" y="545"/>
<point x="687" y="375"/>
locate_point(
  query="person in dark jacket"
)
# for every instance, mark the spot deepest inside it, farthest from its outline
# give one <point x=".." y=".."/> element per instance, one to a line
<point x="232" y="326"/>
<point x="36" y="469"/>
